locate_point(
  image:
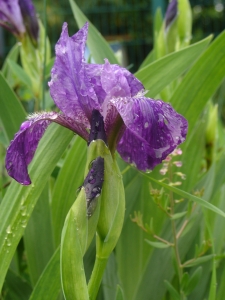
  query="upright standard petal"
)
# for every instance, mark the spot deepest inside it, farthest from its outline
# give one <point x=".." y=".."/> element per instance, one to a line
<point x="11" y="18"/>
<point x="153" y="130"/>
<point x="111" y="81"/>
<point x="69" y="85"/>
<point x="30" y="19"/>
<point x="22" y="148"/>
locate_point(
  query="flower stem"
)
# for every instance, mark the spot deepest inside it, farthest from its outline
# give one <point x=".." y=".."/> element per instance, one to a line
<point x="175" y="240"/>
<point x="96" y="277"/>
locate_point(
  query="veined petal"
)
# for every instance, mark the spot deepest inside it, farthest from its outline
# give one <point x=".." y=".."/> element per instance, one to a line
<point x="22" y="148"/>
<point x="10" y="17"/>
<point x="69" y="85"/>
<point x="119" y="82"/>
<point x="111" y="81"/>
<point x="114" y="81"/>
<point x="153" y="130"/>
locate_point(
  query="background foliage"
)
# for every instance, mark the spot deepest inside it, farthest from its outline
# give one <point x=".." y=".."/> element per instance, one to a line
<point x="129" y="22"/>
<point x="172" y="243"/>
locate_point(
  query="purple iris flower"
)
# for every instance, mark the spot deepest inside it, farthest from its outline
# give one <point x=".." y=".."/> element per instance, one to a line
<point x="171" y="13"/>
<point x="19" y="16"/>
<point x="144" y="131"/>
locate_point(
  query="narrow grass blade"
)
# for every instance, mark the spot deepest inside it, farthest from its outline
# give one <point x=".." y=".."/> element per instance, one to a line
<point x="20" y="73"/>
<point x="201" y="82"/>
<point x="13" y="55"/>
<point x="70" y="178"/>
<point x="38" y="237"/>
<point x="48" y="285"/>
<point x="188" y="196"/>
<point x="17" y="288"/>
<point x="12" y="113"/>
<point x="160" y="73"/>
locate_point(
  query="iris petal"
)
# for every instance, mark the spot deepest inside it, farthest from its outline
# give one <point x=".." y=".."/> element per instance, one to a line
<point x="69" y="86"/>
<point x="22" y="148"/>
<point x="111" y="81"/>
<point x="153" y="130"/>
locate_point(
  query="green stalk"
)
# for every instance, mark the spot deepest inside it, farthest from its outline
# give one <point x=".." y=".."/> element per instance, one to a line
<point x="175" y="240"/>
<point x="96" y="276"/>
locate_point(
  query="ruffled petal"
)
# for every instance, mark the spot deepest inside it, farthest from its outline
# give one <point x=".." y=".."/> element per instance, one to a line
<point x="153" y="130"/>
<point x="11" y="17"/>
<point x="93" y="72"/>
<point x="119" y="82"/>
<point x="22" y="148"/>
<point x="111" y="81"/>
<point x="69" y="85"/>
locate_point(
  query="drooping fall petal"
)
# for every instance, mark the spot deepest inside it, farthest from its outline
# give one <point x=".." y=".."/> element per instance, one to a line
<point x="153" y="130"/>
<point x="22" y="148"/>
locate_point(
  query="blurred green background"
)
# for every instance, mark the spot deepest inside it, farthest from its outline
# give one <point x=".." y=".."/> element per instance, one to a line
<point x="127" y="24"/>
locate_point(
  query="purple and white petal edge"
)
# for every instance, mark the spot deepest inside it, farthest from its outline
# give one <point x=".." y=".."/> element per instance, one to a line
<point x="22" y="148"/>
<point x="154" y="130"/>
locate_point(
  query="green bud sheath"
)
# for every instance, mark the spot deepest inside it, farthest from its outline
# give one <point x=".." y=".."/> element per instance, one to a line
<point x="78" y="232"/>
<point x="73" y="245"/>
<point x="171" y="37"/>
<point x="112" y="200"/>
<point x="32" y="59"/>
<point x="111" y="216"/>
<point x="184" y="23"/>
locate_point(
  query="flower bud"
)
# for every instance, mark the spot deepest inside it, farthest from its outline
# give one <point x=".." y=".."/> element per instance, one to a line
<point x="112" y="204"/>
<point x="93" y="184"/>
<point x="184" y="22"/>
<point x="171" y="13"/>
<point x="78" y="232"/>
<point x="19" y="16"/>
<point x="171" y="33"/>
